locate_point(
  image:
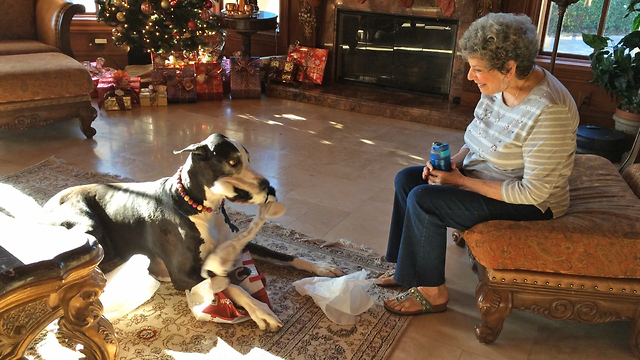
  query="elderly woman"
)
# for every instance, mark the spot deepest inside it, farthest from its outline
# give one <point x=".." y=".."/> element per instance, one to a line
<point x="514" y="165"/>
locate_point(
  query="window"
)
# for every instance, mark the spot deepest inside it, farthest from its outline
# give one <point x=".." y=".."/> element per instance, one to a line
<point x="602" y="17"/>
<point x="89" y="5"/>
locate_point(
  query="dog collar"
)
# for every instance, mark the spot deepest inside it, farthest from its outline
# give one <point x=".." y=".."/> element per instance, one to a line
<point x="188" y="198"/>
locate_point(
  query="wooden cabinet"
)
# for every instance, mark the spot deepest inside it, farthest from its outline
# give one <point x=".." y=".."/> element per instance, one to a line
<point x="91" y="39"/>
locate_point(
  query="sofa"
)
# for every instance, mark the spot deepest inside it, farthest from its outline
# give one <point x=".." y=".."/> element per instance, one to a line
<point x="40" y="81"/>
<point x="583" y="266"/>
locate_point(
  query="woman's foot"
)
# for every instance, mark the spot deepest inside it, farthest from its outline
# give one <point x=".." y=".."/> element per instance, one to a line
<point x="419" y="300"/>
<point x="386" y="279"/>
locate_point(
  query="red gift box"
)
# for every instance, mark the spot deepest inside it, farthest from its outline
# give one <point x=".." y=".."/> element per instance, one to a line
<point x="209" y="81"/>
<point x="121" y="80"/>
<point x="312" y="61"/>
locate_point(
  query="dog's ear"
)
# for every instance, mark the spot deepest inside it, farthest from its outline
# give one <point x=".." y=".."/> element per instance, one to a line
<point x="200" y="151"/>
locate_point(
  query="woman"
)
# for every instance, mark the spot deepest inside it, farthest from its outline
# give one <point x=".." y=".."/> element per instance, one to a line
<point x="514" y="165"/>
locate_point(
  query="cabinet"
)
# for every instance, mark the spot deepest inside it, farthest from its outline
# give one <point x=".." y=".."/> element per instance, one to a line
<point x="91" y="39"/>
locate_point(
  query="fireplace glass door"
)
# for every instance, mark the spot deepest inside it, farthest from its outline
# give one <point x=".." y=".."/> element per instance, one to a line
<point x="401" y="52"/>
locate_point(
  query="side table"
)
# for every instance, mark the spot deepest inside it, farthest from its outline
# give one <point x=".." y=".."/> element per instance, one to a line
<point x="248" y="26"/>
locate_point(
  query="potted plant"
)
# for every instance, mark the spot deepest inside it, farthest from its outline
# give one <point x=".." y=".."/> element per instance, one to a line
<point x="617" y="69"/>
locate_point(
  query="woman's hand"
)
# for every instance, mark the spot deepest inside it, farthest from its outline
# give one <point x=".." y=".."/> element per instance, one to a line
<point x="427" y="170"/>
<point x="438" y="177"/>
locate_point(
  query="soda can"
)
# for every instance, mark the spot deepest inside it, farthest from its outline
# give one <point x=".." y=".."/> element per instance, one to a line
<point x="440" y="156"/>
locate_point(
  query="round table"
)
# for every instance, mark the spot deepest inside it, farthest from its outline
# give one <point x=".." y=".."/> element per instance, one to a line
<point x="248" y="26"/>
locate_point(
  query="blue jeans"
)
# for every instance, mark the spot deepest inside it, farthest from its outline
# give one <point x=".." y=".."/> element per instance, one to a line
<point x="421" y="215"/>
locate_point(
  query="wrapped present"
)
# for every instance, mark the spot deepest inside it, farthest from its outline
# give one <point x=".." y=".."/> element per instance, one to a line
<point x="154" y="96"/>
<point x="209" y="81"/>
<point x="278" y="69"/>
<point x="312" y="62"/>
<point x="226" y="75"/>
<point x="181" y="87"/>
<point x="121" y="80"/>
<point x="118" y="99"/>
<point x="98" y="71"/>
<point x="245" y="79"/>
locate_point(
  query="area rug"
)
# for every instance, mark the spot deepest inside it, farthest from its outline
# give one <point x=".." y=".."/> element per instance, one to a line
<point x="164" y="326"/>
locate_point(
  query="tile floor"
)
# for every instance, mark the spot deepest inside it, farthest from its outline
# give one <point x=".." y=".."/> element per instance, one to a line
<point x="334" y="171"/>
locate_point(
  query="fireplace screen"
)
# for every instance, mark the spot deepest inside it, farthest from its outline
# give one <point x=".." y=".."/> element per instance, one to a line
<point x="401" y="52"/>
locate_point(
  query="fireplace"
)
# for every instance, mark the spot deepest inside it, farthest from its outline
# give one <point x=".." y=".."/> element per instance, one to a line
<point x="400" y="52"/>
<point x="393" y="59"/>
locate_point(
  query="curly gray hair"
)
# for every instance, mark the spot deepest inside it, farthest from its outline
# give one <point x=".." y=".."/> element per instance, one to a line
<point x="498" y="38"/>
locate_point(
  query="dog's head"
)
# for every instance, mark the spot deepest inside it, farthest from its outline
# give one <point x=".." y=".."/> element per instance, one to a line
<point x="221" y="165"/>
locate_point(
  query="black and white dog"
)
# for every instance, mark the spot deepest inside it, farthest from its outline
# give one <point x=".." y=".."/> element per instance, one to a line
<point x="179" y="221"/>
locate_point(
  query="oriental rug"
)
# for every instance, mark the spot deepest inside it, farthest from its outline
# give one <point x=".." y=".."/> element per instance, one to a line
<point x="164" y="327"/>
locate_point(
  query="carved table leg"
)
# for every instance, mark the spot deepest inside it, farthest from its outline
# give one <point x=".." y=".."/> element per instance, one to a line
<point x="83" y="323"/>
<point x="87" y="115"/>
<point x="494" y="305"/>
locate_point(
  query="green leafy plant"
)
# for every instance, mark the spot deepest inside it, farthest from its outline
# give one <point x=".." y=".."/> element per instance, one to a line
<point x="616" y="68"/>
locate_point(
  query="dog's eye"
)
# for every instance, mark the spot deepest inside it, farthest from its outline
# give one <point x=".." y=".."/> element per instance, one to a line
<point x="232" y="162"/>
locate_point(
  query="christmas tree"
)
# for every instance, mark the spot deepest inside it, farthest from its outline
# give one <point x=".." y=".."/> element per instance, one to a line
<point x="161" y="26"/>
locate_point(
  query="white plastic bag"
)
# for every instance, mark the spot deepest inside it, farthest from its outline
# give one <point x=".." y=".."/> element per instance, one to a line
<point x="128" y="286"/>
<point x="340" y="298"/>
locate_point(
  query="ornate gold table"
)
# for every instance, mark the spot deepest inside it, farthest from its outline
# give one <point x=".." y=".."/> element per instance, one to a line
<point x="65" y="286"/>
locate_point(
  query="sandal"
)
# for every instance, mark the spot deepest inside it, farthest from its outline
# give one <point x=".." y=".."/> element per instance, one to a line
<point x="387" y="274"/>
<point x="427" y="307"/>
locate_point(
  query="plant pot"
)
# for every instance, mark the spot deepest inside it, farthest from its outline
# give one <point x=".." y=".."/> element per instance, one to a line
<point x="626" y="122"/>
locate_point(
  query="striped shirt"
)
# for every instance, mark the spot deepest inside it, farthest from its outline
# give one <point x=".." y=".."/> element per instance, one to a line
<point x="529" y="147"/>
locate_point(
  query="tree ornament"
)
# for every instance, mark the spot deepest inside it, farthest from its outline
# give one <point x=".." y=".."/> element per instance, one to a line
<point x="205" y="14"/>
<point x="120" y="16"/>
<point x="165" y="4"/>
<point x="169" y="22"/>
<point x="192" y="25"/>
<point x="208" y="4"/>
<point x="146" y="8"/>
<point x="174" y="2"/>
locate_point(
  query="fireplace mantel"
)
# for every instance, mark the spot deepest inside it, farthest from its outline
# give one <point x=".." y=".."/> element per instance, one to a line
<point x="464" y="14"/>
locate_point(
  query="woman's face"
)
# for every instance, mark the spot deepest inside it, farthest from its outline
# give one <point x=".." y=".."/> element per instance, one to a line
<point x="489" y="82"/>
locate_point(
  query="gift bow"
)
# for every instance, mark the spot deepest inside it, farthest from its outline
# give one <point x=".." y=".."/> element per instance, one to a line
<point x="243" y="64"/>
<point x="210" y="72"/>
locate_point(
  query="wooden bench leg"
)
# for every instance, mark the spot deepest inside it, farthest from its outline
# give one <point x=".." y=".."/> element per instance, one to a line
<point x="494" y="305"/>
<point x="83" y="323"/>
<point x="87" y="115"/>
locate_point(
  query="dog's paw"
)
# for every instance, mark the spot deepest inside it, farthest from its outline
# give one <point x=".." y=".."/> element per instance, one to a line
<point x="263" y="316"/>
<point x="327" y="270"/>
<point x="319" y="268"/>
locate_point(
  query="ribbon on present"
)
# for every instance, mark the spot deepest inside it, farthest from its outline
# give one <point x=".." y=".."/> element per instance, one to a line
<point x="181" y="84"/>
<point x="119" y="93"/>
<point x="201" y="78"/>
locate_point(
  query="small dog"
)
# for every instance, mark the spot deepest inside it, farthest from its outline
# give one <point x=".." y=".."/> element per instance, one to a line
<point x="180" y="221"/>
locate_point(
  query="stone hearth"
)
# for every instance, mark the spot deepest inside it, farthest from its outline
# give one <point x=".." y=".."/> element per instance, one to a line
<point x="424" y="109"/>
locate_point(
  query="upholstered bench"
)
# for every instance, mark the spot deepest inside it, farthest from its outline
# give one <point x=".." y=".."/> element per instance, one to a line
<point x="584" y="266"/>
<point x="39" y="88"/>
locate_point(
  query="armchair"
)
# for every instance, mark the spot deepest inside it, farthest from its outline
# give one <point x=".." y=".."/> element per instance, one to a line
<point x="40" y="81"/>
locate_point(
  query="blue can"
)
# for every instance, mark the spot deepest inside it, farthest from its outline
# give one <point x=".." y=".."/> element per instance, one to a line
<point x="440" y="156"/>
